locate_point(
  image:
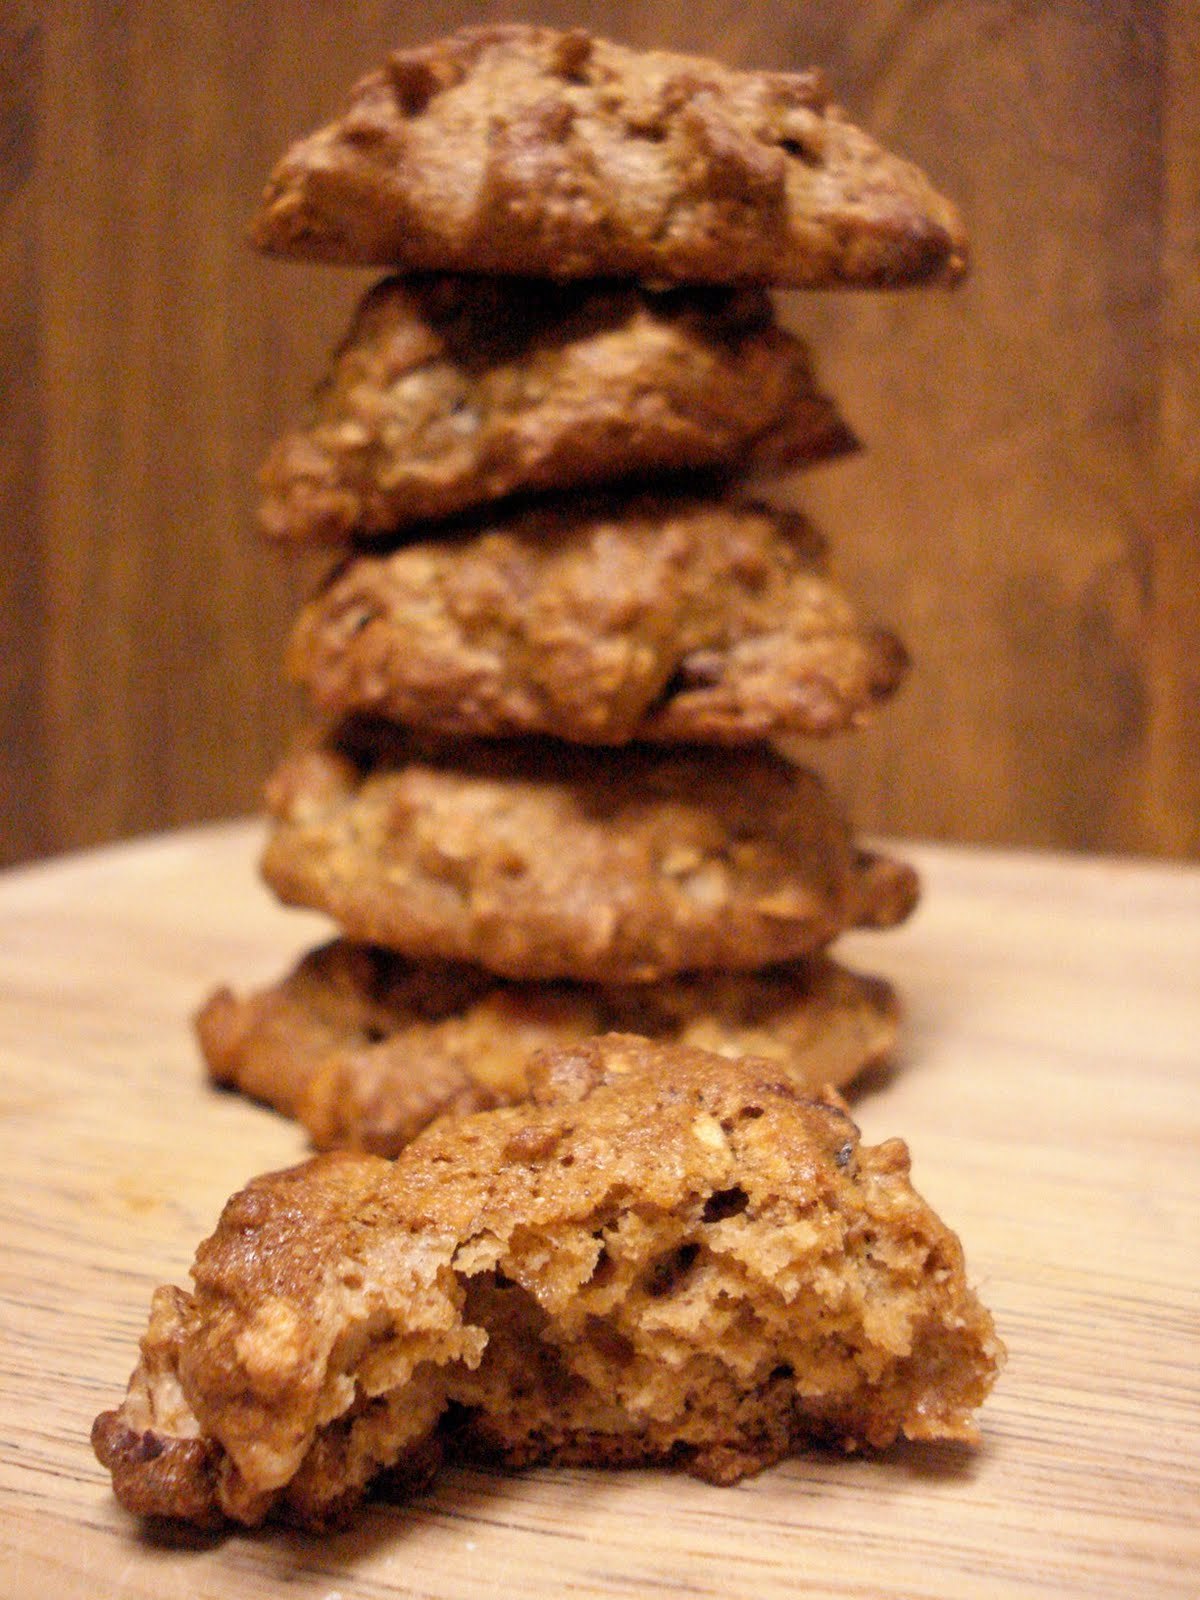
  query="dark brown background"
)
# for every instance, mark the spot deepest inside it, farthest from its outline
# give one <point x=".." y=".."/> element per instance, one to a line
<point x="1026" y="514"/>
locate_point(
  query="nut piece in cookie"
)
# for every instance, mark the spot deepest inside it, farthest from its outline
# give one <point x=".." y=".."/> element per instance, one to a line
<point x="366" y="1048"/>
<point x="664" y="1257"/>
<point x="537" y="859"/>
<point x="450" y="392"/>
<point x="651" y="616"/>
<point x="528" y="151"/>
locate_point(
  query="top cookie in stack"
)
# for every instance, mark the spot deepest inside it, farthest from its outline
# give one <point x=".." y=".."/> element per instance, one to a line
<point x="526" y="151"/>
<point x="560" y="639"/>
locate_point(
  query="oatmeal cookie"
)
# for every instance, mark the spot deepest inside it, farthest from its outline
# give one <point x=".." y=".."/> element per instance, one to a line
<point x="524" y="150"/>
<point x="538" y="859"/>
<point x="663" y="1257"/>
<point x="600" y="620"/>
<point x="365" y="1047"/>
<point x="452" y="391"/>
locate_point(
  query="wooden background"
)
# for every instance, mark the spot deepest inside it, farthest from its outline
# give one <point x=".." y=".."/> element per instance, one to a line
<point x="1026" y="513"/>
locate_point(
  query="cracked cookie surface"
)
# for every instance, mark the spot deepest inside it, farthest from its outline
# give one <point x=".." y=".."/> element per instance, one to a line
<point x="451" y="391"/>
<point x="658" y="617"/>
<point x="538" y="859"/>
<point x="525" y="150"/>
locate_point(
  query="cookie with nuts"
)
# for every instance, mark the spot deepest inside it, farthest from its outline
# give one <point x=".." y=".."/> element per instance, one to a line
<point x="365" y="1047"/>
<point x="661" y="1257"/>
<point x="529" y="151"/>
<point x="539" y="859"/>
<point x="654" y="616"/>
<point x="451" y="391"/>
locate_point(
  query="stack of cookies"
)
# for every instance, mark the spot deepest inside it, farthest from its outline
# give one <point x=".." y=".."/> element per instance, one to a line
<point x="560" y="640"/>
<point x="553" y="658"/>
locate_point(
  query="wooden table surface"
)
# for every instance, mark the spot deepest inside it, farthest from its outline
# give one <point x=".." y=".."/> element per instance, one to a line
<point x="1050" y="1091"/>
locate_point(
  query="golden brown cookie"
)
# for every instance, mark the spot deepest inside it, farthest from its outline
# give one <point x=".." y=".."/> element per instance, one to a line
<point x="538" y="859"/>
<point x="524" y="150"/>
<point x="450" y="392"/>
<point x="600" y="620"/>
<point x="365" y="1048"/>
<point x="664" y="1257"/>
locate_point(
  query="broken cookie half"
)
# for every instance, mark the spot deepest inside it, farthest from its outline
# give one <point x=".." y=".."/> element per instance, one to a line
<point x="663" y="1257"/>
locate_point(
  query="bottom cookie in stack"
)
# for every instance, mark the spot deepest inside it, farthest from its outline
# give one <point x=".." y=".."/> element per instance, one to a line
<point x="365" y="1047"/>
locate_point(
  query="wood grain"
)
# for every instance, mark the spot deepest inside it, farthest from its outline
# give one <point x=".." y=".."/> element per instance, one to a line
<point x="1048" y="1089"/>
<point x="22" y="768"/>
<point x="1176" y="663"/>
<point x="1025" y="513"/>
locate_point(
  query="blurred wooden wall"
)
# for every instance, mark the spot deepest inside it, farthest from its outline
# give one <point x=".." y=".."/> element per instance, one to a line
<point x="1027" y="511"/>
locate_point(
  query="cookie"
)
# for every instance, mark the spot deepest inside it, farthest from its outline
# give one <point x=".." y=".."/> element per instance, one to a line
<point x="537" y="859"/>
<point x="451" y="392"/>
<point x="528" y="151"/>
<point x="601" y="620"/>
<point x="365" y="1048"/>
<point x="664" y="1257"/>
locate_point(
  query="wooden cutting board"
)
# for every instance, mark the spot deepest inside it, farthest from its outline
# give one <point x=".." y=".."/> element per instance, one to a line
<point x="1050" y="1091"/>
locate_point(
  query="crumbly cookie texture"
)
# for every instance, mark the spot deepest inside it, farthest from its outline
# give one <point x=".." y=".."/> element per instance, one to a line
<point x="451" y="391"/>
<point x="365" y="1048"/>
<point x="525" y="150"/>
<point x="664" y="1257"/>
<point x="537" y="859"/>
<point x="654" y="616"/>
